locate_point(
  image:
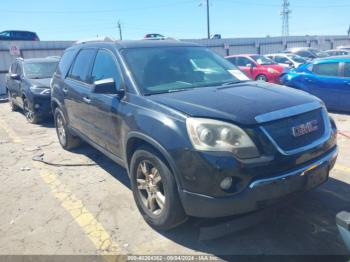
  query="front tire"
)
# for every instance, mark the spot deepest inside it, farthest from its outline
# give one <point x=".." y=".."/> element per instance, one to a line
<point x="261" y="78"/>
<point x="13" y="107"/>
<point x="66" y="139"/>
<point x="155" y="190"/>
<point x="29" y="113"/>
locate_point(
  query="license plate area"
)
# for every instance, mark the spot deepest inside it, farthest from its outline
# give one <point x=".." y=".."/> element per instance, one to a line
<point x="317" y="175"/>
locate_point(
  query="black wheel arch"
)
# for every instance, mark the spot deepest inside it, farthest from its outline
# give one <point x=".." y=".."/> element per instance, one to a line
<point x="136" y="140"/>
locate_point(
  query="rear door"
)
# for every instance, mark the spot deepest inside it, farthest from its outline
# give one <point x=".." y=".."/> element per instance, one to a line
<point x="325" y="82"/>
<point x="105" y="108"/>
<point x="77" y="88"/>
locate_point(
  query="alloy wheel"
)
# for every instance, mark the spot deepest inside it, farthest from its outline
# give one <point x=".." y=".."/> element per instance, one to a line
<point x="29" y="114"/>
<point x="150" y="187"/>
<point x="61" y="131"/>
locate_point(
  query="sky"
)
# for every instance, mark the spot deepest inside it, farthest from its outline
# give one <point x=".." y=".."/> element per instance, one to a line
<point x="183" y="19"/>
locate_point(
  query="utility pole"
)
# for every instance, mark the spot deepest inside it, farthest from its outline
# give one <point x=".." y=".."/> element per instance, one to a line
<point x="208" y="19"/>
<point x="120" y="30"/>
<point x="285" y="17"/>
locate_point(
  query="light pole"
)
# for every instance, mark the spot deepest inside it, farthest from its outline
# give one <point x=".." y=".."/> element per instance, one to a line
<point x="208" y="19"/>
<point x="120" y="30"/>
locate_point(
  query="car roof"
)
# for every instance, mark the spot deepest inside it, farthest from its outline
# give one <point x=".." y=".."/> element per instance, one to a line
<point x="293" y="49"/>
<point x="241" y="55"/>
<point x="281" y="54"/>
<point x="19" y="31"/>
<point x="41" y="60"/>
<point x="337" y="50"/>
<point x="345" y="58"/>
<point x="128" y="44"/>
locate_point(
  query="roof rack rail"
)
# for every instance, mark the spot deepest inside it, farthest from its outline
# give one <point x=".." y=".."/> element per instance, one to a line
<point x="97" y="39"/>
<point x="53" y="56"/>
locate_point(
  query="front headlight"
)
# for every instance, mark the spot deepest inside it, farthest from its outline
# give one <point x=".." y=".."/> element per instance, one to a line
<point x="272" y="71"/>
<point x="213" y="135"/>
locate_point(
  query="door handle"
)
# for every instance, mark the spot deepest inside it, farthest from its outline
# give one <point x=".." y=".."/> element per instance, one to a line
<point x="87" y="100"/>
<point x="348" y="83"/>
<point x="65" y="90"/>
<point x="309" y="80"/>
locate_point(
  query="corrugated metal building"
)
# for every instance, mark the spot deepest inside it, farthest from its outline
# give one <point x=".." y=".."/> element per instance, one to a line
<point x="220" y="46"/>
<point x="28" y="49"/>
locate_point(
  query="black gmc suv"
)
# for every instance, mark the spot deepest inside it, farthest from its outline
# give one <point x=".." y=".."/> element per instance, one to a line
<point x="197" y="137"/>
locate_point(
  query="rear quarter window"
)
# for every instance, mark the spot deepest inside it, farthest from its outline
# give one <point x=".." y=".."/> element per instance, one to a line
<point x="65" y="63"/>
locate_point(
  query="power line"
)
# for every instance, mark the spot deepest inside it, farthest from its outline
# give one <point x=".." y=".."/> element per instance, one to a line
<point x="98" y="11"/>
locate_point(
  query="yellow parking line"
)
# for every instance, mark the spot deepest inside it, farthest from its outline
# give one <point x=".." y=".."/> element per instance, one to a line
<point x="342" y="168"/>
<point x="87" y="222"/>
<point x="12" y="135"/>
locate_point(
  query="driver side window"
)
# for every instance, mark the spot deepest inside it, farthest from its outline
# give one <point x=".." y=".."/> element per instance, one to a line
<point x="105" y="66"/>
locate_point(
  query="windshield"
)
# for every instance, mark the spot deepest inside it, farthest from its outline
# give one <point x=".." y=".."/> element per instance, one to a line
<point x="262" y="60"/>
<point x="297" y="59"/>
<point x="39" y="70"/>
<point x="319" y="53"/>
<point x="170" y="69"/>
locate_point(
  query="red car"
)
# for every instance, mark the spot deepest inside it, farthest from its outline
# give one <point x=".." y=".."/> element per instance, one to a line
<point x="258" y="67"/>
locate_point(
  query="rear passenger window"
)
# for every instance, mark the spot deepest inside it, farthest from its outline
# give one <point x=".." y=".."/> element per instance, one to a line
<point x="105" y="67"/>
<point x="347" y="70"/>
<point x="82" y="65"/>
<point x="326" y="69"/>
<point x="65" y="62"/>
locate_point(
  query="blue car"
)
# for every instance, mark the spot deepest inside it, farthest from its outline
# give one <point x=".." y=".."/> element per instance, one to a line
<point x="326" y="78"/>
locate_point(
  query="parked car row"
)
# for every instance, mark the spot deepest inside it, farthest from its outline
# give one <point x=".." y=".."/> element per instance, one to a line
<point x="196" y="135"/>
<point x="28" y="86"/>
<point x="327" y="78"/>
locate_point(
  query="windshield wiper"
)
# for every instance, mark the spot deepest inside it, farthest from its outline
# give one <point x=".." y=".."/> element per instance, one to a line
<point x="229" y="83"/>
<point x="178" y="90"/>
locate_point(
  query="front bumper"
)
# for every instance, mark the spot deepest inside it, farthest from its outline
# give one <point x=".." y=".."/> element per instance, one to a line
<point x="262" y="192"/>
<point x="42" y="106"/>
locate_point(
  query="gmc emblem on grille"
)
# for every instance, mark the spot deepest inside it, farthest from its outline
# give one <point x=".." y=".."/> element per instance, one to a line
<point x="304" y="129"/>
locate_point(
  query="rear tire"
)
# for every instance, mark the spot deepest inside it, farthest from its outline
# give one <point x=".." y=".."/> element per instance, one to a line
<point x="30" y="115"/>
<point x="12" y="105"/>
<point x="66" y="139"/>
<point x="155" y="194"/>
<point x="261" y="78"/>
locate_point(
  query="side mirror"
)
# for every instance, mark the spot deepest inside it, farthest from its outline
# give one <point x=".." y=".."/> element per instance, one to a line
<point x="107" y="86"/>
<point x="15" y="77"/>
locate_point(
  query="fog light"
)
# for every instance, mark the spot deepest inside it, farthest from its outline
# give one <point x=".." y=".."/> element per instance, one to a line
<point x="36" y="106"/>
<point x="226" y="183"/>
